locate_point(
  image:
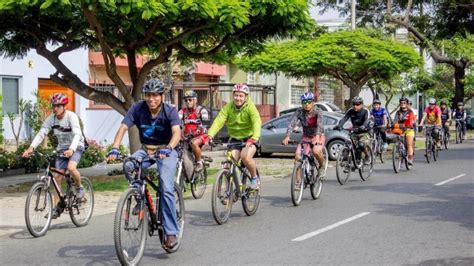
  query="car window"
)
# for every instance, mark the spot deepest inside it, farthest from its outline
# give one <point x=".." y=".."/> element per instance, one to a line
<point x="322" y="107"/>
<point x="334" y="107"/>
<point x="281" y="123"/>
<point x="328" y="121"/>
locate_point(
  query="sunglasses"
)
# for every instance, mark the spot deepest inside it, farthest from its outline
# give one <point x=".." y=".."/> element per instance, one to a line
<point x="356" y="104"/>
<point x="305" y="102"/>
<point x="188" y="100"/>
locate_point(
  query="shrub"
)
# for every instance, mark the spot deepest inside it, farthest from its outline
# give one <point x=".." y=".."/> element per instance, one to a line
<point x="94" y="154"/>
<point x="33" y="163"/>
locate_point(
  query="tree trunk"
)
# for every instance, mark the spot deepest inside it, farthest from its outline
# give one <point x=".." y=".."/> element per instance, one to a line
<point x="354" y="91"/>
<point x="317" y="91"/>
<point x="134" y="139"/>
<point x="459" y="75"/>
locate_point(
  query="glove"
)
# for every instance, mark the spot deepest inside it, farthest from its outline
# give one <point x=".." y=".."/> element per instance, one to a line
<point x="113" y="152"/>
<point x="166" y="151"/>
<point x="362" y="129"/>
<point x="337" y="128"/>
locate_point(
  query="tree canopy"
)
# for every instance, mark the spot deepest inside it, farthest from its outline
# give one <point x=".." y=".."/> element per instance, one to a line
<point x="353" y="57"/>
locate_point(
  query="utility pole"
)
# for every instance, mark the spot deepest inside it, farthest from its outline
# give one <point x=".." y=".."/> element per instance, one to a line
<point x="353" y="14"/>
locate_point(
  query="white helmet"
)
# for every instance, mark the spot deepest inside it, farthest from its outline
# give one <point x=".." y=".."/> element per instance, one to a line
<point x="241" y="87"/>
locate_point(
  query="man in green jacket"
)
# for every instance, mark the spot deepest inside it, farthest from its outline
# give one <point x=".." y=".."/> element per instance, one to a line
<point x="243" y="124"/>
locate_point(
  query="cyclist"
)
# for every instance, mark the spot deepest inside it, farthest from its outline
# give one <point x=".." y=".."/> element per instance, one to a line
<point x="243" y="124"/>
<point x="432" y="115"/>
<point x="310" y="117"/>
<point x="445" y="116"/>
<point x="67" y="129"/>
<point x="461" y="115"/>
<point x="405" y="121"/>
<point x="159" y="127"/>
<point x="192" y="116"/>
<point x="359" y="116"/>
<point x="380" y="117"/>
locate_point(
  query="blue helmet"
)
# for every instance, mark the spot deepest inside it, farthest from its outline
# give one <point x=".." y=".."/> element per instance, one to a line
<point x="307" y="96"/>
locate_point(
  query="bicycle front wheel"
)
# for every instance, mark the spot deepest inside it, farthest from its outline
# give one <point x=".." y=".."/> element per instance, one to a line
<point x="428" y="150"/>
<point x="343" y="165"/>
<point x="222" y="197"/>
<point x="198" y="186"/>
<point x="446" y="141"/>
<point x="367" y="165"/>
<point x="180" y="214"/>
<point x="38" y="209"/>
<point x="81" y="210"/>
<point x="435" y="151"/>
<point x="316" y="187"/>
<point x="396" y="157"/>
<point x="297" y="183"/>
<point x="250" y="197"/>
<point x="130" y="227"/>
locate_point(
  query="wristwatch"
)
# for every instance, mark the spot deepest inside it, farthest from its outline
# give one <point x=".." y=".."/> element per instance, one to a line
<point x="169" y="147"/>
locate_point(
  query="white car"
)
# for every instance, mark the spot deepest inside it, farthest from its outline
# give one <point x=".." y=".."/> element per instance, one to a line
<point x="324" y="106"/>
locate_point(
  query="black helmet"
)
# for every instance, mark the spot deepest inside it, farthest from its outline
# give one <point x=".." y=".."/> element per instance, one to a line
<point x="442" y="103"/>
<point x="357" y="99"/>
<point x="460" y="104"/>
<point x="376" y="101"/>
<point x="154" y="85"/>
<point x="403" y="99"/>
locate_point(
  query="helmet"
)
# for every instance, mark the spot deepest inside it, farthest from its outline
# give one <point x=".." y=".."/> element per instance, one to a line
<point x="190" y="94"/>
<point x="59" y="98"/>
<point x="307" y="96"/>
<point x="432" y="101"/>
<point x="442" y="103"/>
<point x="410" y="102"/>
<point x="460" y="104"/>
<point x="241" y="87"/>
<point x="154" y="85"/>
<point x="357" y="99"/>
<point x="403" y="99"/>
<point x="376" y="101"/>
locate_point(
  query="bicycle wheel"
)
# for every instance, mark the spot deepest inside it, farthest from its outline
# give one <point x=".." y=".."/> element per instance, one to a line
<point x="250" y="197"/>
<point x="38" y="209"/>
<point x="405" y="158"/>
<point x="317" y="186"/>
<point x="130" y="230"/>
<point x="198" y="186"/>
<point x="368" y="165"/>
<point x="180" y="216"/>
<point x="435" y="151"/>
<point x="343" y="165"/>
<point x="446" y="141"/>
<point x="297" y="183"/>
<point x="461" y="135"/>
<point x="80" y="211"/>
<point x="458" y="134"/>
<point x="396" y="157"/>
<point x="428" y="150"/>
<point x="222" y="197"/>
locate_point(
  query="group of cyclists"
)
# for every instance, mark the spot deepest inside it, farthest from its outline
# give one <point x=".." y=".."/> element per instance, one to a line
<point x="161" y="128"/>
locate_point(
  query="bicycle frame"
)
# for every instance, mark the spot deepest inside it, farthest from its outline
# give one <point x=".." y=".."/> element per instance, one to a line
<point x="231" y="164"/>
<point x="350" y="144"/>
<point x="307" y="159"/>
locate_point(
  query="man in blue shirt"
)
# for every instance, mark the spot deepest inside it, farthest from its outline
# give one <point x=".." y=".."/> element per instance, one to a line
<point x="158" y="124"/>
<point x="379" y="116"/>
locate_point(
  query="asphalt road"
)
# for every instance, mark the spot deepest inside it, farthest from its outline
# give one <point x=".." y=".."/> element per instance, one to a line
<point x="390" y="219"/>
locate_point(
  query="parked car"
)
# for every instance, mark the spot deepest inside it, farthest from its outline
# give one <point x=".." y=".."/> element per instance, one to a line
<point x="274" y="131"/>
<point x="324" y="106"/>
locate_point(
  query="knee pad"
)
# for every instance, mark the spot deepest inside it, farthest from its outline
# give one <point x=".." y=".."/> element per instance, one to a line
<point x="361" y="145"/>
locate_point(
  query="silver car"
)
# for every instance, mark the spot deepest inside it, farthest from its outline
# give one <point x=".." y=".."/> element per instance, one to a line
<point x="274" y="131"/>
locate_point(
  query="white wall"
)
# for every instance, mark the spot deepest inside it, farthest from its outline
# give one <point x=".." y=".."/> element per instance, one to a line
<point x="102" y="125"/>
<point x="77" y="61"/>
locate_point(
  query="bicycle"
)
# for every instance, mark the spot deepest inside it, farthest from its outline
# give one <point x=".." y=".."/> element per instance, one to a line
<point x="39" y="204"/>
<point x="445" y="137"/>
<point x="305" y="172"/>
<point x="348" y="160"/>
<point x="459" y="131"/>
<point x="400" y="154"/>
<point x="430" y="145"/>
<point x="132" y="224"/>
<point x="224" y="195"/>
<point x="187" y="175"/>
<point x="377" y="145"/>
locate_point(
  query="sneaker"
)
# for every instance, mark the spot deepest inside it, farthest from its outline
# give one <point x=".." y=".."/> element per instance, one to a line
<point x="410" y="160"/>
<point x="198" y="166"/>
<point x="55" y="213"/>
<point x="367" y="160"/>
<point x="254" y="183"/>
<point x="385" y="146"/>
<point x="80" y="192"/>
<point x="321" y="173"/>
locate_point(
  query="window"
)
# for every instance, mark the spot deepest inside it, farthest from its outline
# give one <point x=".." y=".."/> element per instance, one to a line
<point x="250" y="78"/>
<point x="296" y="92"/>
<point x="322" y="107"/>
<point x="281" y="123"/>
<point x="10" y="93"/>
<point x="328" y="121"/>
<point x="110" y="88"/>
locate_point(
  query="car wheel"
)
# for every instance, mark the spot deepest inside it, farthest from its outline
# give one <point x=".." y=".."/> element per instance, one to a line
<point x="333" y="148"/>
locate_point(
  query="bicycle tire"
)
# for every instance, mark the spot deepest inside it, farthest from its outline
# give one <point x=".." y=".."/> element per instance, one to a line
<point x="396" y="158"/>
<point x="122" y="221"/>
<point x="250" y="197"/>
<point x="317" y="186"/>
<point x="220" y="197"/>
<point x="435" y="153"/>
<point x="428" y="150"/>
<point x="38" y="189"/>
<point x="446" y="141"/>
<point x="458" y="134"/>
<point x="86" y="205"/>
<point x="297" y="189"/>
<point x="199" y="184"/>
<point x="180" y="216"/>
<point x="343" y="165"/>
<point x="461" y="135"/>
<point x="365" y="172"/>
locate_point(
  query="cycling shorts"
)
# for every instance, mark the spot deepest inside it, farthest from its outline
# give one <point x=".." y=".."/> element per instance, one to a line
<point x="410" y="132"/>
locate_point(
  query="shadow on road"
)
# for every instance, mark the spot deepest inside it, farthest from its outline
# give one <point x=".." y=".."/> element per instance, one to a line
<point x="448" y="261"/>
<point x="98" y="255"/>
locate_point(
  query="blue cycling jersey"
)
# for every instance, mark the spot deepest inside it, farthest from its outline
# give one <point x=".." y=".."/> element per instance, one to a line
<point x="378" y="116"/>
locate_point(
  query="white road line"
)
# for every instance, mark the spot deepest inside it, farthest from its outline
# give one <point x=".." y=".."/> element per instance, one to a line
<point x="327" y="228"/>
<point x="449" y="180"/>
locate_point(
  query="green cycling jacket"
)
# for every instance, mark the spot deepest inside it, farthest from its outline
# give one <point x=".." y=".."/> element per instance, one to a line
<point x="241" y="123"/>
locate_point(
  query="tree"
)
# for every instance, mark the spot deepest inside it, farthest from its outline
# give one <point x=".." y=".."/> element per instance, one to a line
<point x="353" y="57"/>
<point x="204" y="29"/>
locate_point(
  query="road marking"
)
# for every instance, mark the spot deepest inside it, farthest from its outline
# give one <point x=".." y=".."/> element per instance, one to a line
<point x="449" y="180"/>
<point x="327" y="228"/>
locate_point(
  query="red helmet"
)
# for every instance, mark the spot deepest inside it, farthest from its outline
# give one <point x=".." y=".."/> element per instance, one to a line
<point x="59" y="98"/>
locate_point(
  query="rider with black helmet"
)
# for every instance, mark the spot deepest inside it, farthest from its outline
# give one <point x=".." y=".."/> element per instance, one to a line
<point x="445" y="116"/>
<point x="159" y="127"/>
<point x="359" y="116"/>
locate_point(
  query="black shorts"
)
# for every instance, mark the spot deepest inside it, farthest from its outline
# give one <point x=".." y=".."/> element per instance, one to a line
<point x="233" y="143"/>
